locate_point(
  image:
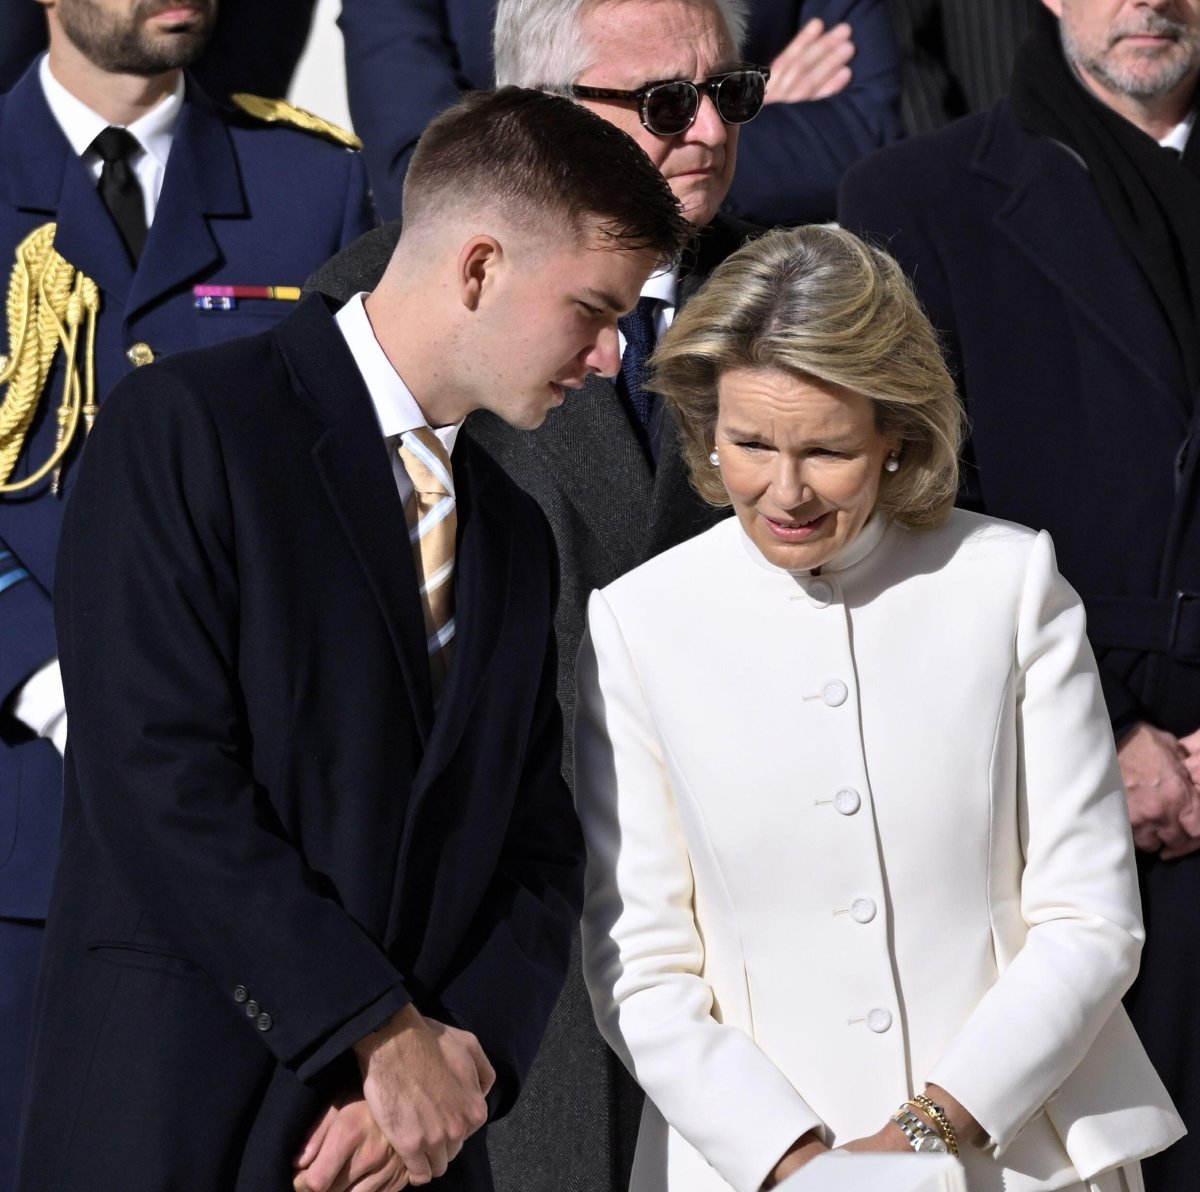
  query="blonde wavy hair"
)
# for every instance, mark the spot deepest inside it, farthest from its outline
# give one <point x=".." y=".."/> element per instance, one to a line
<point x="820" y="303"/>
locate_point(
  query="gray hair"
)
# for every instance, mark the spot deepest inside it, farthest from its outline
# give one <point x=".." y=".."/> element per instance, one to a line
<point x="540" y="43"/>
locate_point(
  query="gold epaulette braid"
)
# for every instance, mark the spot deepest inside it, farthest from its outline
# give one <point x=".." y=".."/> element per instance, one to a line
<point x="49" y="303"/>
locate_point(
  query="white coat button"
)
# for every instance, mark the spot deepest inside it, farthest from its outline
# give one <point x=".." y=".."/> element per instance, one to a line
<point x="879" y="1020"/>
<point x="862" y="910"/>
<point x="847" y="801"/>
<point x="820" y="593"/>
<point x="834" y="693"/>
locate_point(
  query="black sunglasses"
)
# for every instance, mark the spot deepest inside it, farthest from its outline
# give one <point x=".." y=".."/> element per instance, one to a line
<point x="670" y="107"/>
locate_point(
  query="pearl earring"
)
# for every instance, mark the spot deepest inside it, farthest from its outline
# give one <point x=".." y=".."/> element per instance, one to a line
<point x="714" y="458"/>
<point x="892" y="463"/>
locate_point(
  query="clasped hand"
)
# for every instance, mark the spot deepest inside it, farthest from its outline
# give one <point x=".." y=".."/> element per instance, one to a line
<point x="1162" y="785"/>
<point x="424" y="1090"/>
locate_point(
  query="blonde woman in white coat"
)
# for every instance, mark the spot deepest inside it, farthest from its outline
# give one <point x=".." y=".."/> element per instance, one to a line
<point x="860" y="873"/>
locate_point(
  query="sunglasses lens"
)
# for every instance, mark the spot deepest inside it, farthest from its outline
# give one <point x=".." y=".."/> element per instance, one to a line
<point x="670" y="108"/>
<point x="740" y="96"/>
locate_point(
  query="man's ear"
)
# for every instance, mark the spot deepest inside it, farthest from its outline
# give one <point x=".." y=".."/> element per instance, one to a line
<point x="480" y="261"/>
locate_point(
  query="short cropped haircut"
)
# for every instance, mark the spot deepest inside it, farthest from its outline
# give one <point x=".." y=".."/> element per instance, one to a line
<point x="819" y="303"/>
<point x="543" y="161"/>
<point x="540" y="43"/>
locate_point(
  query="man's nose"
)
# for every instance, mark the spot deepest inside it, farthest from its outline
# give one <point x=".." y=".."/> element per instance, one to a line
<point x="604" y="357"/>
<point x="708" y="127"/>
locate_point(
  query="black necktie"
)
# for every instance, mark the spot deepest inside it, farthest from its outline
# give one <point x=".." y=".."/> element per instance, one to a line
<point x="638" y="330"/>
<point x="119" y="188"/>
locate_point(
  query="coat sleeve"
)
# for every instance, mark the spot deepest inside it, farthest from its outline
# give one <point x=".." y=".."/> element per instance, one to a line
<point x="401" y="71"/>
<point x="28" y="638"/>
<point x="1079" y="896"/>
<point x="791" y="157"/>
<point x="147" y="608"/>
<point x="511" y="967"/>
<point x="642" y="950"/>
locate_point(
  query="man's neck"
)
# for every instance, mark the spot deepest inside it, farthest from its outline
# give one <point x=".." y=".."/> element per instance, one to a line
<point x="119" y="98"/>
<point x="419" y="354"/>
<point x="1156" y="116"/>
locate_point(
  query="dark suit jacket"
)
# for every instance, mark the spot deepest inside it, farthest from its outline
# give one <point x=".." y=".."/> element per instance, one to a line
<point x="1082" y="424"/>
<point x="271" y="842"/>
<point x="408" y="60"/>
<point x="792" y="156"/>
<point x="228" y="213"/>
<point x="576" y="1124"/>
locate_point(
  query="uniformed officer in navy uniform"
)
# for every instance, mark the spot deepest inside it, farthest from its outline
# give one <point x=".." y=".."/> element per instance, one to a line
<point x="135" y="219"/>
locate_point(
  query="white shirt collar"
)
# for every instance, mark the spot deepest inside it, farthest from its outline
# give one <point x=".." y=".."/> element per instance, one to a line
<point x="663" y="285"/>
<point x="81" y="125"/>
<point x="1177" y="138"/>
<point x="395" y="406"/>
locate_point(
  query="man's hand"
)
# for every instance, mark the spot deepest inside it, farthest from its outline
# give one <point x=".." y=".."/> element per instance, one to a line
<point x="348" y="1152"/>
<point x="813" y="65"/>
<point x="425" y="1084"/>
<point x="1164" y="805"/>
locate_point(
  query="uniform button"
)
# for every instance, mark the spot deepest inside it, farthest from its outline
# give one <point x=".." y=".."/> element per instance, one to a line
<point x="862" y="910"/>
<point x="264" y="1021"/>
<point x="820" y="593"/>
<point x="252" y="1008"/>
<point x="240" y="994"/>
<point x="834" y="693"/>
<point x="847" y="801"/>
<point x="140" y="354"/>
<point x="879" y="1020"/>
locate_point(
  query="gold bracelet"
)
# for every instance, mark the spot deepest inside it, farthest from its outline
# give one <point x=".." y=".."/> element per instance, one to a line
<point x="937" y="1115"/>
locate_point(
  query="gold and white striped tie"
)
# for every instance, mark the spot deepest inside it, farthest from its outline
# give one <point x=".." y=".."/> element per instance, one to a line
<point x="432" y="525"/>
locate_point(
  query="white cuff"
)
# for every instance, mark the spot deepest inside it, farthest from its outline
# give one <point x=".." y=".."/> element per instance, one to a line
<point x="40" y="704"/>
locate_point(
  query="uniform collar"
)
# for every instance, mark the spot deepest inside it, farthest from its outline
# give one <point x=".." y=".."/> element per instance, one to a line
<point x="81" y="125"/>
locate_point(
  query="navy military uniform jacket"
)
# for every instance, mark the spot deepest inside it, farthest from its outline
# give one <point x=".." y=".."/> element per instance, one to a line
<point x="242" y="203"/>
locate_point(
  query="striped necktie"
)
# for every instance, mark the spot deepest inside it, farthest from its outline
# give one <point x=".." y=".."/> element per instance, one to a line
<point x="432" y="525"/>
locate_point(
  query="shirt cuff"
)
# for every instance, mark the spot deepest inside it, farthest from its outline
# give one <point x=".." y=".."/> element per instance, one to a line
<point x="40" y="705"/>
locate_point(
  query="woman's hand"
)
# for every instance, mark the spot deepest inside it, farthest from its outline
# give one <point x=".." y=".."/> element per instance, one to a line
<point x="807" y="1146"/>
<point x="890" y="1138"/>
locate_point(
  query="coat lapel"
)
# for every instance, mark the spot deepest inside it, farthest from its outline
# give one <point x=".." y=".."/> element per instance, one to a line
<point x="201" y="183"/>
<point x="1079" y="251"/>
<point x="354" y="471"/>
<point x="46" y="177"/>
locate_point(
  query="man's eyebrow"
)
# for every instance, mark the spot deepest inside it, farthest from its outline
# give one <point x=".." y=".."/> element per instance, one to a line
<point x="600" y="298"/>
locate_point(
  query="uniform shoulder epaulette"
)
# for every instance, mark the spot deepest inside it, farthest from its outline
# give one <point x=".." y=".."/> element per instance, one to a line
<point x="279" y="111"/>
